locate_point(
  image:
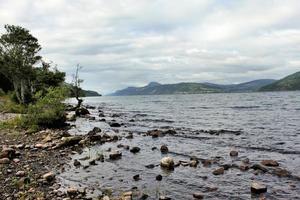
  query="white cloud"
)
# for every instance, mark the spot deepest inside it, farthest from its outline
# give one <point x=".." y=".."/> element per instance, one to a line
<point x="132" y="42"/>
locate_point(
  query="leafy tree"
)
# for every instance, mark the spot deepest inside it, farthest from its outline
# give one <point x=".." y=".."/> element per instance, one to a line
<point x="18" y="54"/>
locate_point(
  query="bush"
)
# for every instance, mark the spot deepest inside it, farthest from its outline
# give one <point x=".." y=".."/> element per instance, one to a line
<point x="7" y="105"/>
<point x="48" y="110"/>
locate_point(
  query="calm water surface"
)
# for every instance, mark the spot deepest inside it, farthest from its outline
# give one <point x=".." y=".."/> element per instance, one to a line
<point x="269" y="125"/>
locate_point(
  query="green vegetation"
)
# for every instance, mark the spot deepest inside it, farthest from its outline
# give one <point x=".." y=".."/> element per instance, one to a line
<point x="29" y="85"/>
<point x="289" y="83"/>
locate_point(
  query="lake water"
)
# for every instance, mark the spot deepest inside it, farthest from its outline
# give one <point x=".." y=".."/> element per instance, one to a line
<point x="268" y="125"/>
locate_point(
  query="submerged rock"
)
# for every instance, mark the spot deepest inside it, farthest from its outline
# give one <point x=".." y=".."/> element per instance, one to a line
<point x="234" y="153"/>
<point x="114" y="155"/>
<point x="115" y="124"/>
<point x="159" y="177"/>
<point x="136" y="177"/>
<point x="218" y="171"/>
<point x="259" y="167"/>
<point x="198" y="195"/>
<point x="135" y="149"/>
<point x="164" y="198"/>
<point x="258" y="188"/>
<point x="167" y="162"/>
<point x="164" y="149"/>
<point x="76" y="163"/>
<point x="270" y="163"/>
<point x="69" y="141"/>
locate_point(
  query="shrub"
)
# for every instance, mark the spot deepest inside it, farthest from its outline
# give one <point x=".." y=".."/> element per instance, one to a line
<point x="48" y="110"/>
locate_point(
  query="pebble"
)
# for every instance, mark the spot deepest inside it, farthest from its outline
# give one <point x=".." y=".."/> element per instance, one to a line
<point x="50" y="176"/>
<point x="4" y="161"/>
<point x="20" y="173"/>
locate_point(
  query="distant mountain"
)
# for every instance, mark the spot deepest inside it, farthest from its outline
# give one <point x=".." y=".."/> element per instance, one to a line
<point x="251" y="86"/>
<point x="289" y="83"/>
<point x="90" y="93"/>
<point x="154" y="88"/>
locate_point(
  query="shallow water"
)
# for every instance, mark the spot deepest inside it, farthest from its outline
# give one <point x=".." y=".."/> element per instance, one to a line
<point x="269" y="125"/>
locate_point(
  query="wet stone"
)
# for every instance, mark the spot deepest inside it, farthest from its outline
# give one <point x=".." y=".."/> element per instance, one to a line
<point x="233" y="153"/>
<point x="135" y="149"/>
<point x="270" y="163"/>
<point x="164" y="149"/>
<point x="167" y="162"/>
<point x="159" y="177"/>
<point x="198" y="195"/>
<point x="258" y="188"/>
<point x="218" y="171"/>
<point x="50" y="176"/>
<point x="76" y="163"/>
<point x="136" y="177"/>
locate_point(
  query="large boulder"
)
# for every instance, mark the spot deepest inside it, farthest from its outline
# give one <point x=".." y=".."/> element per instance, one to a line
<point x="167" y="162"/>
<point x="82" y="111"/>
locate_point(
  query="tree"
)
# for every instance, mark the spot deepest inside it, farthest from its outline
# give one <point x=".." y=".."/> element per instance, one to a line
<point x="18" y="55"/>
<point x="76" y="90"/>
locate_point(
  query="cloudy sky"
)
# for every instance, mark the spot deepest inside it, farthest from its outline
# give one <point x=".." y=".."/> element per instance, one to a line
<point x="124" y="43"/>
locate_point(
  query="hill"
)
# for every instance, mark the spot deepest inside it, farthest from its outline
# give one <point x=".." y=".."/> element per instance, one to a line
<point x="289" y="83"/>
<point x="155" y="88"/>
<point x="90" y="93"/>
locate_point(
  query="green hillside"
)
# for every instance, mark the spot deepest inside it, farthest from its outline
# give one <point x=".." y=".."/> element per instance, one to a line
<point x="289" y="83"/>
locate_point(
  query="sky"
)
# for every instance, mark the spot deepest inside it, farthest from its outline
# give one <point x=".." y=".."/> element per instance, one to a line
<point x="123" y="43"/>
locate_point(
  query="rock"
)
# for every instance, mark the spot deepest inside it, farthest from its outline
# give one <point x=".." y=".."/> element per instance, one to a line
<point x="259" y="167"/>
<point x="20" y="173"/>
<point x="115" y="115"/>
<point x="194" y="163"/>
<point x="114" y="155"/>
<point x="8" y="152"/>
<point x="234" y="153"/>
<point x="167" y="162"/>
<point x="106" y="198"/>
<point x="135" y="149"/>
<point x="127" y="196"/>
<point x="164" y="149"/>
<point x="20" y="146"/>
<point x="4" y="161"/>
<point x="164" y="198"/>
<point x="207" y="162"/>
<point x="218" y="171"/>
<point x="159" y="177"/>
<point x="76" y="163"/>
<point x="270" y="163"/>
<point x="244" y="167"/>
<point x="136" y="177"/>
<point x="92" y="162"/>
<point x="258" y="188"/>
<point x="129" y="136"/>
<point x="198" y="195"/>
<point x="69" y="141"/>
<point x="281" y="172"/>
<point x="94" y="131"/>
<point x="40" y="146"/>
<point x="150" y="166"/>
<point x="155" y="133"/>
<point x="81" y="111"/>
<point x="72" y="191"/>
<point x="50" y="176"/>
<point x="115" y="124"/>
